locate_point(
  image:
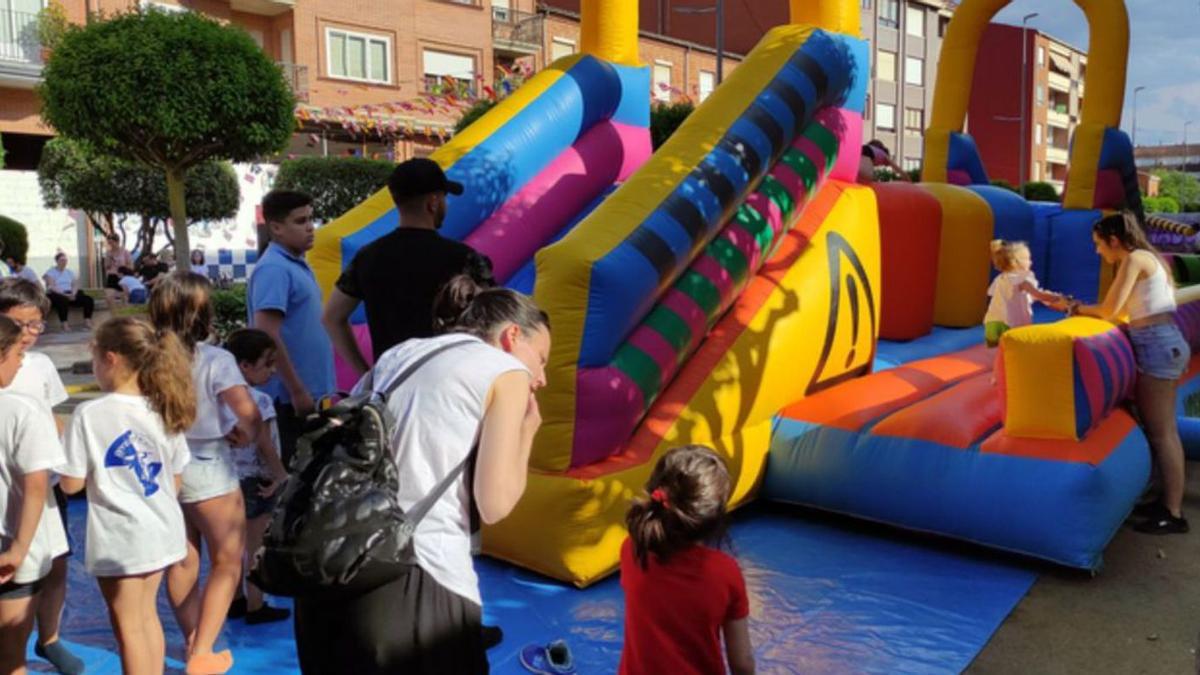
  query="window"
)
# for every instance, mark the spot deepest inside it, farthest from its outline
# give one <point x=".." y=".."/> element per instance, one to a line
<point x="912" y="163"/>
<point x="1040" y="94"/>
<point x="885" y="116"/>
<point x="1037" y="135"/>
<point x="885" y="66"/>
<point x="914" y="71"/>
<point x="1041" y="55"/>
<point x="500" y="11"/>
<point x="914" y="21"/>
<point x="561" y="48"/>
<point x="448" y="73"/>
<point x="889" y="13"/>
<point x="943" y="24"/>
<point x="355" y="56"/>
<point x="914" y="121"/>
<point x="865" y="4"/>
<point x="661" y="89"/>
<point x="163" y="7"/>
<point x="285" y="46"/>
<point x="708" y="82"/>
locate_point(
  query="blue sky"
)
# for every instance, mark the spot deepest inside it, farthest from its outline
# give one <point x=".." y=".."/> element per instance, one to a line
<point x="1164" y="57"/>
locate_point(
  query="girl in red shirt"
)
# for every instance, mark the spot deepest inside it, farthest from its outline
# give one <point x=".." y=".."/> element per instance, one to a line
<point x="681" y="593"/>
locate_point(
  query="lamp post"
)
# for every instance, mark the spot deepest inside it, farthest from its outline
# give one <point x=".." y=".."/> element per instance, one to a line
<point x="1185" y="145"/>
<point x="1023" y="146"/>
<point x="1135" y="97"/>
<point x="719" y="10"/>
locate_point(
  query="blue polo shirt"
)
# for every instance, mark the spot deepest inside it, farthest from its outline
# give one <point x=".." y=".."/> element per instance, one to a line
<point x="285" y="283"/>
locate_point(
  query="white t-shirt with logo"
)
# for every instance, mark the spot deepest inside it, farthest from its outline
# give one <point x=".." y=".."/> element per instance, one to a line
<point x="60" y="281"/>
<point x="28" y="443"/>
<point x="38" y="378"/>
<point x="214" y="371"/>
<point x="135" y="524"/>
<point x="1009" y="304"/>
<point x="246" y="459"/>
<point x="438" y="411"/>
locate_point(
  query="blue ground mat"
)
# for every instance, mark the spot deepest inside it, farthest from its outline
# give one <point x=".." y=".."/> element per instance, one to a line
<point x="827" y="595"/>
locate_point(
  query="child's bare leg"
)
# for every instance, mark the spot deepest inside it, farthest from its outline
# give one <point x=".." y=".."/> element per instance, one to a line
<point x="152" y="628"/>
<point x="222" y="521"/>
<point x="182" y="584"/>
<point x="125" y="597"/>
<point x="16" y="623"/>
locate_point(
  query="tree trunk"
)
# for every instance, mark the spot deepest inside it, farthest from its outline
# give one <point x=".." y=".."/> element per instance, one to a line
<point x="175" y="196"/>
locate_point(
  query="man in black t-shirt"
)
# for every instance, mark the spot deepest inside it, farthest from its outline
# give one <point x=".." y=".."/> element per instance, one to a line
<point x="399" y="275"/>
<point x="150" y="269"/>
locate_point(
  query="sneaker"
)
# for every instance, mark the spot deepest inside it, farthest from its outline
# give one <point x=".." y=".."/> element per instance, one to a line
<point x="63" y="660"/>
<point x="552" y="659"/>
<point x="1163" y="524"/>
<point x="237" y="608"/>
<point x="267" y="614"/>
<point x="492" y="636"/>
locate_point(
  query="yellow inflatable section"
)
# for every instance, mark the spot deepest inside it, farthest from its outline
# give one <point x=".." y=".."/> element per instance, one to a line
<point x="962" y="279"/>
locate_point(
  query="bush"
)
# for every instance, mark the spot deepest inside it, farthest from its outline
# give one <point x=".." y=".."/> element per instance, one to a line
<point x="665" y="118"/>
<point x="1037" y="191"/>
<point x="473" y="113"/>
<point x="885" y="175"/>
<point x="337" y="184"/>
<point x="1160" y="205"/>
<point x="15" y="239"/>
<point x="1001" y="183"/>
<point x="229" y="310"/>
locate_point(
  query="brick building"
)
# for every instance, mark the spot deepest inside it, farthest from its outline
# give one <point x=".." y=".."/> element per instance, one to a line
<point x="1183" y="157"/>
<point x="1054" y="94"/>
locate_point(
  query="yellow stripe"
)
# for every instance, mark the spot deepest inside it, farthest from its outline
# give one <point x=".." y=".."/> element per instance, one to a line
<point x="564" y="269"/>
<point x="837" y="16"/>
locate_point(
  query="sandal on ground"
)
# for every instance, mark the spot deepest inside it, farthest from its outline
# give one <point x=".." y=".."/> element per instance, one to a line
<point x="212" y="663"/>
<point x="1163" y="524"/>
<point x="552" y="659"/>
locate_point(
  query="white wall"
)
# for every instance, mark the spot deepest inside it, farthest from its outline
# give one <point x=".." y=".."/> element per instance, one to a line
<point x="50" y="230"/>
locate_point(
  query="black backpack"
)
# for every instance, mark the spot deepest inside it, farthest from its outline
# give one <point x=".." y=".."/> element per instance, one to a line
<point x="338" y="526"/>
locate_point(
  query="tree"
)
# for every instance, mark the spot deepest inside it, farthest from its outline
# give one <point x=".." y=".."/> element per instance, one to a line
<point x="1038" y="191"/>
<point x="1181" y="187"/>
<point x="169" y="90"/>
<point x="665" y="118"/>
<point x="473" y="113"/>
<point x="108" y="189"/>
<point x="14" y="239"/>
<point x="1001" y="183"/>
<point x="1160" y="205"/>
<point x="337" y="184"/>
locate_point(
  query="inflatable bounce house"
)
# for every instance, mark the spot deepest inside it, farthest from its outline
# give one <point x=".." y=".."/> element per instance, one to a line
<point x="737" y="289"/>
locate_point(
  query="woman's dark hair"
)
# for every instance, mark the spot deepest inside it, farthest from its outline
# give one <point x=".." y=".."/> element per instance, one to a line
<point x="124" y="271"/>
<point x="463" y="306"/>
<point x="1125" y="228"/>
<point x="17" y="292"/>
<point x="10" y="334"/>
<point x="60" y="256"/>
<point x="249" y="344"/>
<point x="182" y="304"/>
<point x="688" y="491"/>
<point x="197" y="253"/>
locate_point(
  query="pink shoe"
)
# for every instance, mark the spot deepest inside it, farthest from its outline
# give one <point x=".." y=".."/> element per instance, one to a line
<point x="212" y="663"/>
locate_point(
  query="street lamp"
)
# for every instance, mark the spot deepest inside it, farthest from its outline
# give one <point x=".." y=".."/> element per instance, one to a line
<point x="719" y="10"/>
<point x="1135" y="95"/>
<point x="1024" y="144"/>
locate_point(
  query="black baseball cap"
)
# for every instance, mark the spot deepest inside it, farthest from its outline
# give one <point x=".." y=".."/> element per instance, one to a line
<point x="420" y="176"/>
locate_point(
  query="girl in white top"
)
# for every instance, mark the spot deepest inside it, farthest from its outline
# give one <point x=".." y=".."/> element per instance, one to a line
<point x="1142" y="287"/>
<point x="29" y="541"/>
<point x="127" y="450"/>
<point x="212" y="500"/>
<point x="479" y="390"/>
<point x="1012" y="291"/>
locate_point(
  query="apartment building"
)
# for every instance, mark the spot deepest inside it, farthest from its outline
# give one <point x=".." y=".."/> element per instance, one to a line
<point x="1041" y="131"/>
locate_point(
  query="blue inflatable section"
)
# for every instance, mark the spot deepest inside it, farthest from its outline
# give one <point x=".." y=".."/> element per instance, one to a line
<point x="1116" y="153"/>
<point x="964" y="156"/>
<point x="1065" y="512"/>
<point x="627" y="281"/>
<point x="1073" y="266"/>
<point x="890" y="353"/>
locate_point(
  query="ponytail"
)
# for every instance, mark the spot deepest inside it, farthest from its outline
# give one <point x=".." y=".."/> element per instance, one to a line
<point x="464" y="306"/>
<point x="162" y="366"/>
<point x="687" y="494"/>
<point x="182" y="304"/>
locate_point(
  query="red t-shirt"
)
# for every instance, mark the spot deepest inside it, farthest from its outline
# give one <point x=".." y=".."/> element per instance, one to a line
<point x="674" y="611"/>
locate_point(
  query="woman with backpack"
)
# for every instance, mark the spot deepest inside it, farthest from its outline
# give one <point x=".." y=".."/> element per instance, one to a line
<point x="472" y="387"/>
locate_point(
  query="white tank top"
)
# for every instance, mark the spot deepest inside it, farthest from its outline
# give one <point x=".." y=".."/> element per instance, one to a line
<point x="1151" y="295"/>
<point x="438" y="412"/>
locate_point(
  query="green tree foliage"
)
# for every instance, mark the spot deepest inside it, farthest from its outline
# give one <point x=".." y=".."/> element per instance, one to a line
<point x="109" y="189"/>
<point x="1" y="152"/>
<point x="170" y="90"/>
<point x="1038" y="191"/>
<point x="1160" y="205"/>
<point x="665" y="118"/>
<point x="473" y="113"/>
<point x="1001" y="183"/>
<point x="229" y="310"/>
<point x="14" y="238"/>
<point x="1181" y="187"/>
<point x="337" y="184"/>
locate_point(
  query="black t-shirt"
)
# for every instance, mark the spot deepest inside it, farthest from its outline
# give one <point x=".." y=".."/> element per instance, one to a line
<point x="399" y="275"/>
<point x="150" y="272"/>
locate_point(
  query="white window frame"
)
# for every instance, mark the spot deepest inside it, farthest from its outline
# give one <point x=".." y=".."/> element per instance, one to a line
<point x="879" y="106"/>
<point x="1037" y="138"/>
<point x="920" y="128"/>
<point x="658" y="93"/>
<point x="161" y="6"/>
<point x="368" y="37"/>
<point x="712" y="79"/>
<point x="425" y="75"/>
<point x="879" y="70"/>
<point x="908" y="60"/>
<point x="561" y="42"/>
<point x="1041" y="55"/>
<point x="909" y="10"/>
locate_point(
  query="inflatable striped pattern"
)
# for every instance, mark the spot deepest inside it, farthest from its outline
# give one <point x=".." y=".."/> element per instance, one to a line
<point x="1105" y="373"/>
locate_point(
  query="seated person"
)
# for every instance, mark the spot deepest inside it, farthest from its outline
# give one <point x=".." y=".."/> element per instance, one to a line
<point x="150" y="269"/>
<point x="132" y="288"/>
<point x="875" y="155"/>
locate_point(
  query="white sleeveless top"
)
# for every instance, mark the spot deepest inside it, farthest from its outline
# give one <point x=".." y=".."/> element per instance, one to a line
<point x="438" y="412"/>
<point x="1152" y="295"/>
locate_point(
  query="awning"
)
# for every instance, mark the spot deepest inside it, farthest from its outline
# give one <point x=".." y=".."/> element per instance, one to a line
<point x="1061" y="64"/>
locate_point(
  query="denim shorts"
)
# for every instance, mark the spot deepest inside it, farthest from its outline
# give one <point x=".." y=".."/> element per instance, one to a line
<point x="210" y="474"/>
<point x="256" y="504"/>
<point x="1160" y="350"/>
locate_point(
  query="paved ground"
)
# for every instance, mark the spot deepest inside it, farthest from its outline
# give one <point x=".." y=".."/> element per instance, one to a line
<point x="1140" y="614"/>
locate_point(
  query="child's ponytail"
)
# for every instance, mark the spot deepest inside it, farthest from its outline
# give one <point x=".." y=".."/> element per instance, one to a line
<point x="162" y="365"/>
<point x="688" y="491"/>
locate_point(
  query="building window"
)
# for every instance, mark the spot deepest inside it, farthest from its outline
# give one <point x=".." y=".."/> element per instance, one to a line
<point x="160" y="6"/>
<point x="661" y="89"/>
<point x="356" y="56"/>
<point x="914" y="71"/>
<point x="561" y="48"/>
<point x="708" y="82"/>
<point x="912" y="163"/>
<point x="865" y="4"/>
<point x="914" y="121"/>
<point x="885" y="66"/>
<point x="943" y="23"/>
<point x="1040" y="94"/>
<point x="1037" y="135"/>
<point x="914" y="21"/>
<point x="889" y="13"/>
<point x="885" y="117"/>
<point x="448" y="73"/>
<point x="1041" y="55"/>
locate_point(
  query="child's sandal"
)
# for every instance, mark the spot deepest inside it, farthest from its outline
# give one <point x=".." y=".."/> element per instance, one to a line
<point x="212" y="663"/>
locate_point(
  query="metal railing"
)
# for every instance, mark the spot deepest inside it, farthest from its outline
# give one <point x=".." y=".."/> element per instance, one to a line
<point x="297" y="78"/>
<point x="514" y="28"/>
<point x="18" y="38"/>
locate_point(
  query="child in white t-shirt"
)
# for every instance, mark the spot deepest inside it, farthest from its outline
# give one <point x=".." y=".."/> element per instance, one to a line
<point x="1012" y="291"/>
<point x="29" y="541"/>
<point x="127" y="450"/>
<point x="133" y="290"/>
<point x="259" y="468"/>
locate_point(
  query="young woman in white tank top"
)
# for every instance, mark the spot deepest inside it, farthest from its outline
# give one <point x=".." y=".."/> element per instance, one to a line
<point x="1143" y="288"/>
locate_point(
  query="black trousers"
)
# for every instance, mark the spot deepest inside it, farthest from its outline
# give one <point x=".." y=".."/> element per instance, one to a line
<point x="62" y="304"/>
<point x="411" y="626"/>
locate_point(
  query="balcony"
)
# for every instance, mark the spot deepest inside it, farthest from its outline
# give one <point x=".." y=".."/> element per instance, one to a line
<point x="20" y="51"/>
<point x="1055" y="155"/>
<point x="1056" y="116"/>
<point x="296" y="78"/>
<point x="1060" y="82"/>
<point x="262" y="7"/>
<point x="517" y="33"/>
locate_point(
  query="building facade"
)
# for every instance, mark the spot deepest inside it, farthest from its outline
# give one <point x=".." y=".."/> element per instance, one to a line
<point x="1054" y="75"/>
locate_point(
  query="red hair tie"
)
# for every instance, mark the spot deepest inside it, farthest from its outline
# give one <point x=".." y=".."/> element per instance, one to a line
<point x="660" y="495"/>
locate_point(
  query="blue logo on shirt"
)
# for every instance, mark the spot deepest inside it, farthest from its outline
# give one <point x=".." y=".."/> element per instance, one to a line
<point x="124" y="452"/>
